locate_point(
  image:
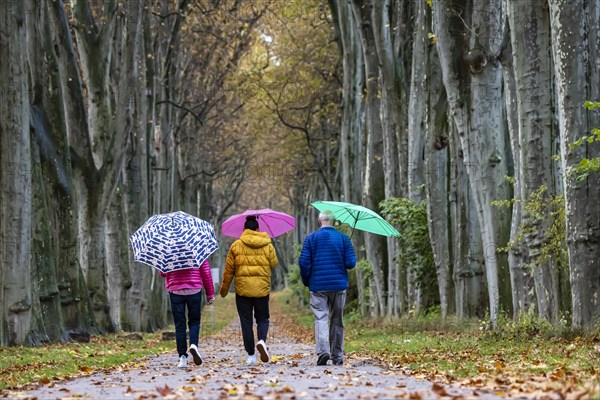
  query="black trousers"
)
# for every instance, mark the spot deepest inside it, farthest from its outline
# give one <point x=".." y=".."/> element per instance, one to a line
<point x="260" y="307"/>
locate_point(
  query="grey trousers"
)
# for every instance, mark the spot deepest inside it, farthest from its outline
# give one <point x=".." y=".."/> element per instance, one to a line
<point x="328" y="309"/>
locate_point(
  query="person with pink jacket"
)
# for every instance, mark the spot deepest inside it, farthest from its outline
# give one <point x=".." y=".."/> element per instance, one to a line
<point x="185" y="290"/>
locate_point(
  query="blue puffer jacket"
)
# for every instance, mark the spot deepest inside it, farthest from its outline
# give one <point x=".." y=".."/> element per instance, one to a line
<point x="326" y="257"/>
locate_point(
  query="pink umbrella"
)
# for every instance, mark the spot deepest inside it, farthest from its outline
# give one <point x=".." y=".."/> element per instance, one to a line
<point x="275" y="223"/>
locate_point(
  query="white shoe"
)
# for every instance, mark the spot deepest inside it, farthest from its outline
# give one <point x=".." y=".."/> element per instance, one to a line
<point x="251" y="359"/>
<point x="261" y="346"/>
<point x="195" y="354"/>
<point x="182" y="362"/>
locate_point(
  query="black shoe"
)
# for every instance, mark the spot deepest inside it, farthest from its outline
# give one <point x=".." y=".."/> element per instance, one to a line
<point x="323" y="358"/>
<point x="337" y="362"/>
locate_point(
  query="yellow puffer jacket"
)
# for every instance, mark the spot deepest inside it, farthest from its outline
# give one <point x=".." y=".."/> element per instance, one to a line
<point x="250" y="260"/>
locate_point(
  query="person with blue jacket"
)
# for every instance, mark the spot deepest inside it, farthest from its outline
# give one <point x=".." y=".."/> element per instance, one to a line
<point x="326" y="257"/>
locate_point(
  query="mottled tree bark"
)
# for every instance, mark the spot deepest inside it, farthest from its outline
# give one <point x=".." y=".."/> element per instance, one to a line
<point x="373" y="188"/>
<point x="523" y="292"/>
<point x="351" y="134"/>
<point x="391" y="123"/>
<point x="475" y="101"/>
<point x="466" y="249"/>
<point x="530" y="37"/>
<point x="16" y="179"/>
<point x="575" y="48"/>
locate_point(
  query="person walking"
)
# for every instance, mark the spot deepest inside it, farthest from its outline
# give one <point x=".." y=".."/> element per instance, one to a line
<point x="250" y="260"/>
<point x="325" y="259"/>
<point x="185" y="292"/>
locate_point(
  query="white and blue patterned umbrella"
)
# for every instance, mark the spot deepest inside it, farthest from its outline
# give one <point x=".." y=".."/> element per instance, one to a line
<point x="174" y="241"/>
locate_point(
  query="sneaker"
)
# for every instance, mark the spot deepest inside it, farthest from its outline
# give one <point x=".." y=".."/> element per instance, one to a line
<point x="337" y="362"/>
<point x="251" y="359"/>
<point x="182" y="362"/>
<point x="323" y="358"/>
<point x="195" y="354"/>
<point x="261" y="346"/>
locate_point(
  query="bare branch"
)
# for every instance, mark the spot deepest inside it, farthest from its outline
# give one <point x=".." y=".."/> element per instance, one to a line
<point x="198" y="118"/>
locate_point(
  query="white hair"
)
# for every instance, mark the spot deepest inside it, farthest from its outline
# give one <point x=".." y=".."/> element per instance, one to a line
<point x="327" y="215"/>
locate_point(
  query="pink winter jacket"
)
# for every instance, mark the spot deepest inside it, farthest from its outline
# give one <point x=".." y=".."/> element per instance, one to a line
<point x="191" y="278"/>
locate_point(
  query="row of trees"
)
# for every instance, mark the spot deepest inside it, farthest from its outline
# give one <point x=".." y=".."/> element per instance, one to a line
<point x="111" y="111"/>
<point x="467" y="112"/>
<point x="470" y="107"/>
<point x="115" y="110"/>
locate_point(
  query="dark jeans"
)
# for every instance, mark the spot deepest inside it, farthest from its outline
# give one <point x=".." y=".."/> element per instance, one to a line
<point x="245" y="306"/>
<point x="178" y="305"/>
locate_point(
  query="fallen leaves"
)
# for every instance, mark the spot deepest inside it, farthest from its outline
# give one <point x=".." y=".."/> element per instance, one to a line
<point x="439" y="389"/>
<point x="554" y="366"/>
<point x="448" y="369"/>
<point x="164" y="391"/>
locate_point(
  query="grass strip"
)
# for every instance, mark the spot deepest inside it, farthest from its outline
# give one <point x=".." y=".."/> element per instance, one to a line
<point x="21" y="366"/>
<point x="511" y="361"/>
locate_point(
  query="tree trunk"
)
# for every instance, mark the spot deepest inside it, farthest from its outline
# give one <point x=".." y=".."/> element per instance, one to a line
<point x="118" y="278"/>
<point x="373" y="188"/>
<point x="475" y="100"/>
<point x="530" y="36"/>
<point x="16" y="179"/>
<point x="95" y="45"/>
<point x="48" y="175"/>
<point x="352" y="104"/>
<point x="466" y="250"/>
<point x="391" y="113"/>
<point x="437" y="182"/>
<point x="417" y="107"/>
<point x="521" y="279"/>
<point x="48" y="322"/>
<point x="137" y="196"/>
<point x="351" y="135"/>
<point x="575" y="47"/>
<point x="74" y="143"/>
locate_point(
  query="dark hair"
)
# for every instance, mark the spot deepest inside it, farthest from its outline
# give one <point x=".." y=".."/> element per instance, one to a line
<point x="251" y="223"/>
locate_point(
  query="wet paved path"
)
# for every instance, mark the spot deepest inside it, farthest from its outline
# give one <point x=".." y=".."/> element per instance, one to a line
<point x="292" y="373"/>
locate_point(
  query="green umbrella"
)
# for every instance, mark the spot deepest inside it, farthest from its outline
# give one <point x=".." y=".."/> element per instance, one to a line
<point x="358" y="217"/>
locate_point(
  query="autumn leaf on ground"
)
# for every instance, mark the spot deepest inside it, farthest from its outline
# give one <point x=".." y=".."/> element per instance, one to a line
<point x="187" y="389"/>
<point x="499" y="364"/>
<point x="164" y="391"/>
<point x="439" y="389"/>
<point x="233" y="390"/>
<point x="197" y="379"/>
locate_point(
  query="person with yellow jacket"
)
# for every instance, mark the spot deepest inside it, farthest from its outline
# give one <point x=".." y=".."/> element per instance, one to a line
<point x="250" y="260"/>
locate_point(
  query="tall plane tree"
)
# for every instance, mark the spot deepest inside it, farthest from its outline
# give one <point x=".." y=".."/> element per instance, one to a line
<point x="471" y="33"/>
<point x="575" y="48"/>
